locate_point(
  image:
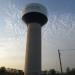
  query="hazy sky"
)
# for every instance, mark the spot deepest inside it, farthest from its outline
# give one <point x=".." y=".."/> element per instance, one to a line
<point x="58" y="33"/>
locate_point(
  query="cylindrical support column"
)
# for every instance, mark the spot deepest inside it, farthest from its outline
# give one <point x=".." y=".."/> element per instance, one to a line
<point x="33" y="50"/>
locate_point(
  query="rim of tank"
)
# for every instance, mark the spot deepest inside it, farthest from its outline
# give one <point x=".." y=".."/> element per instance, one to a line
<point x="35" y="7"/>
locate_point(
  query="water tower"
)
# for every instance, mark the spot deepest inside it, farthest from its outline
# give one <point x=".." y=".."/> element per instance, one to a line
<point x="35" y="16"/>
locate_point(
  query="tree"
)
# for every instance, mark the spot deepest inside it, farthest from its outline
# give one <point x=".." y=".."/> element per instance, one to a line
<point x="52" y="72"/>
<point x="2" y="69"/>
<point x="68" y="70"/>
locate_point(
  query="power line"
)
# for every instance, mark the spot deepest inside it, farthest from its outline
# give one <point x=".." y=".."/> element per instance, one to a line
<point x="67" y="49"/>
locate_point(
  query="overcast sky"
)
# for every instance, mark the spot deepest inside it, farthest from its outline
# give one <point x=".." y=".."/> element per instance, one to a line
<point x="58" y="33"/>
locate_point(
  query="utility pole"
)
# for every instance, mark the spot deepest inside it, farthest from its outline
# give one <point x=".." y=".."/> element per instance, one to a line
<point x="60" y="60"/>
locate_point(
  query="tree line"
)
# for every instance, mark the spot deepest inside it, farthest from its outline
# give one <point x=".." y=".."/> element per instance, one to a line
<point x="53" y="72"/>
<point x="11" y="71"/>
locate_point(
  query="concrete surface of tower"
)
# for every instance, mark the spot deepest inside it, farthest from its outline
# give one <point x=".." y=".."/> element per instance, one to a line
<point x="35" y="16"/>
